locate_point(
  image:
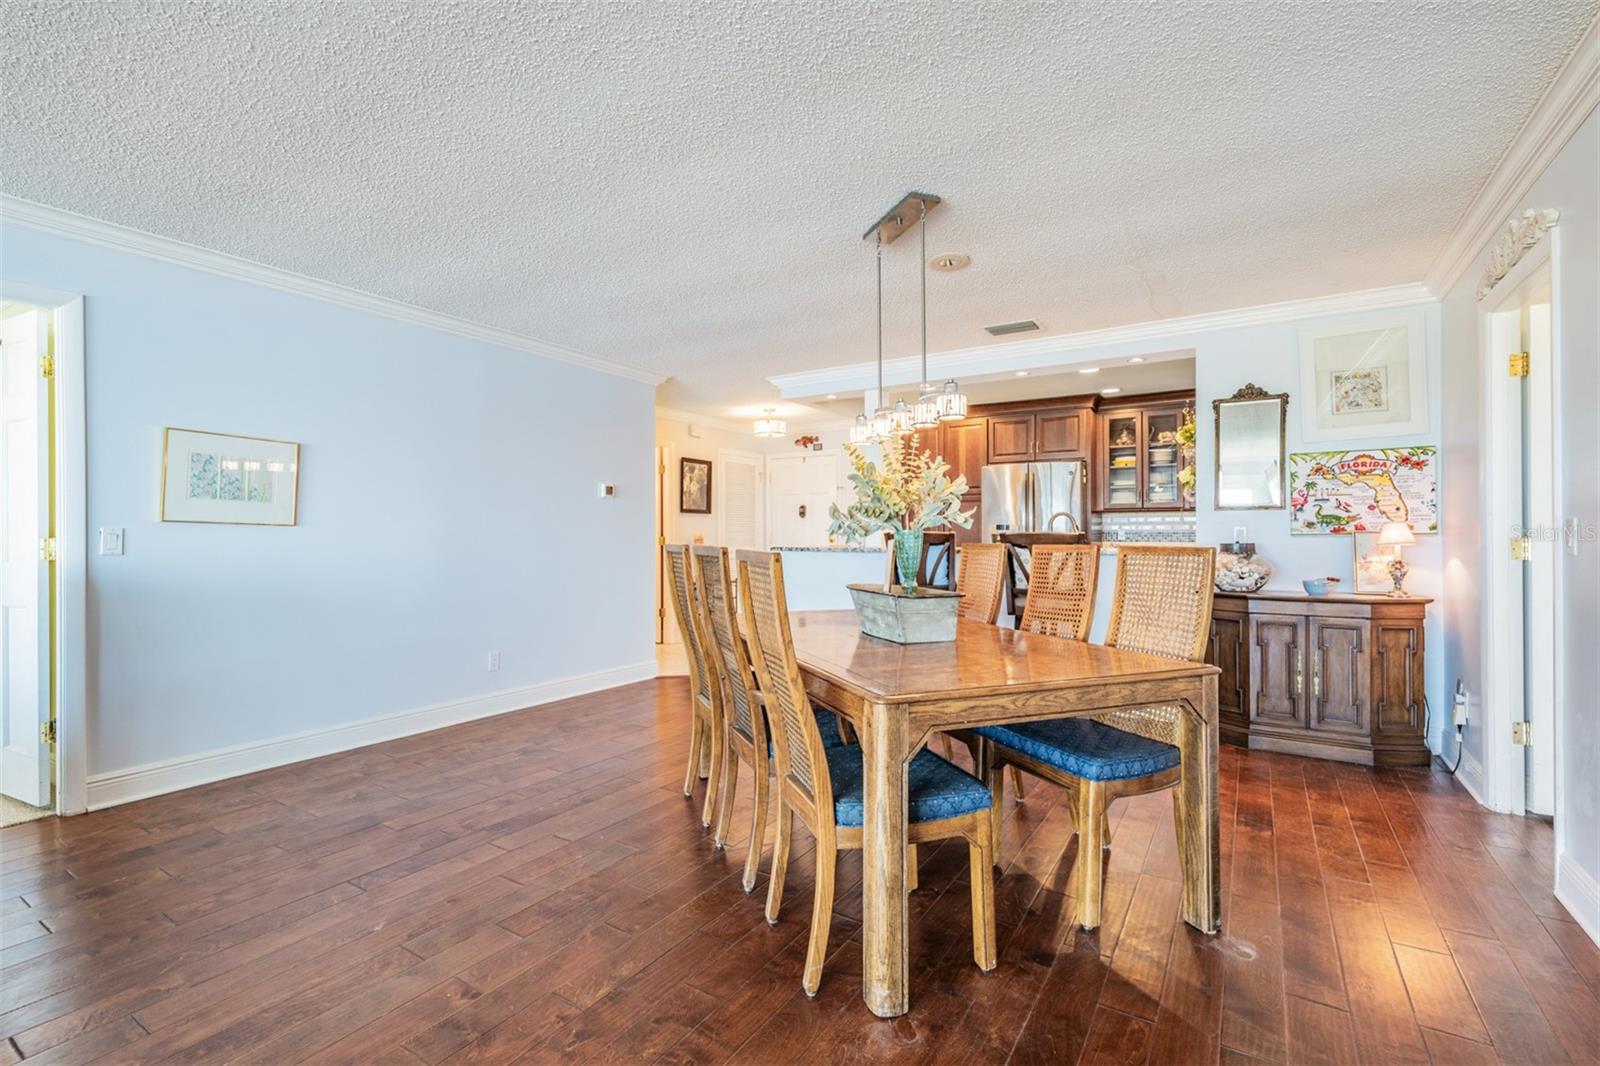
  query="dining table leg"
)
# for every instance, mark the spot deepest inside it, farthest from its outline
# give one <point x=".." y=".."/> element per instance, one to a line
<point x="1199" y="844"/>
<point x="883" y="898"/>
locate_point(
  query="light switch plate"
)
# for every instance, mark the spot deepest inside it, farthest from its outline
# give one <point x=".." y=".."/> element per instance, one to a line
<point x="110" y="541"/>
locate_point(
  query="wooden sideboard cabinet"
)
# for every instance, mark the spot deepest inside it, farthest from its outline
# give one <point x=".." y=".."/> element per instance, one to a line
<point x="1332" y="677"/>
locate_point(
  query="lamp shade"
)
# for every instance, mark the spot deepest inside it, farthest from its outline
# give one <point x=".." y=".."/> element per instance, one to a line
<point x="1396" y="535"/>
<point x="769" y="426"/>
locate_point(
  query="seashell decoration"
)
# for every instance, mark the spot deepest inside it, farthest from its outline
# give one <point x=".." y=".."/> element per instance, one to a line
<point x="1240" y="569"/>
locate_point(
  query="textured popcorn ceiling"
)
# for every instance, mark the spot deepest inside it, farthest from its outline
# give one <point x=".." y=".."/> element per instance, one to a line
<point x="682" y="186"/>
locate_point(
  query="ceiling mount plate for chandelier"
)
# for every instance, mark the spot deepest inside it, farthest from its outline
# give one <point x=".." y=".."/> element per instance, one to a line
<point x="902" y="216"/>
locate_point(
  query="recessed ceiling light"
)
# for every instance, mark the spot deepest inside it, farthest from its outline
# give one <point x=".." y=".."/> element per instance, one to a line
<point x="1137" y="359"/>
<point x="833" y="395"/>
<point x="950" y="262"/>
<point x="1110" y="392"/>
<point x="1089" y="370"/>
<point x="1022" y="373"/>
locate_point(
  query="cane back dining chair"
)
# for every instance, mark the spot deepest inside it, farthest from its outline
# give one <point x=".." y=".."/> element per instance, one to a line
<point x="1161" y="606"/>
<point x="706" y="741"/>
<point x="1060" y="603"/>
<point x="981" y="579"/>
<point x="747" y="736"/>
<point x="824" y="787"/>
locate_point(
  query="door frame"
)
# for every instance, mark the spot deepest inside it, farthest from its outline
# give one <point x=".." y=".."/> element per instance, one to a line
<point x="1504" y="771"/>
<point x="72" y="541"/>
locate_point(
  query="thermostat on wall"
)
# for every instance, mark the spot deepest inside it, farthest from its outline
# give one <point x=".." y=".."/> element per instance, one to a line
<point x="607" y="491"/>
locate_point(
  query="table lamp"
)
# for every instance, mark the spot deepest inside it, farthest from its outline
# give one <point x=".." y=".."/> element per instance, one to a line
<point x="1396" y="536"/>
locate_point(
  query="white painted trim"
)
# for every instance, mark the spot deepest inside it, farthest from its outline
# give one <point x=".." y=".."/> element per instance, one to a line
<point x="673" y="414"/>
<point x="1503" y="774"/>
<point x="1041" y="352"/>
<point x="72" y="541"/>
<point x="1565" y="106"/>
<point x="122" y="238"/>
<point x="1579" y="892"/>
<point x="1470" y="774"/>
<point x="171" y="775"/>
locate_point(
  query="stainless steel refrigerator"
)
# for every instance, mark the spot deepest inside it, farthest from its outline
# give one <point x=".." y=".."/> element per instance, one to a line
<point x="1034" y="497"/>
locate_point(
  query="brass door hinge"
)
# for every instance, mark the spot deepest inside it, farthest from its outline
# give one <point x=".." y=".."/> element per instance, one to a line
<point x="1521" y="549"/>
<point x="1518" y="364"/>
<point x="47" y="366"/>
<point x="47" y="550"/>
<point x="1522" y="733"/>
<point x="47" y="732"/>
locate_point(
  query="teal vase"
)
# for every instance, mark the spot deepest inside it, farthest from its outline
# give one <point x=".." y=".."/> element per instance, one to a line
<point x="908" y="556"/>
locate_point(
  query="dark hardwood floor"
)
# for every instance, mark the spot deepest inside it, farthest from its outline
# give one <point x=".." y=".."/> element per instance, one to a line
<point x="536" y="887"/>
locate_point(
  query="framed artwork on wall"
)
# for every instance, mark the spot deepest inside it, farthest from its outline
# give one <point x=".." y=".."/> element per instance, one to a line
<point x="1359" y="491"/>
<point x="228" y="479"/>
<point x="1364" y="376"/>
<point x="1372" y="564"/>
<point x="694" y="486"/>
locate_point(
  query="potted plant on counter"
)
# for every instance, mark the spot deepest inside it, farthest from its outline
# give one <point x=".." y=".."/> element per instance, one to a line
<point x="909" y="493"/>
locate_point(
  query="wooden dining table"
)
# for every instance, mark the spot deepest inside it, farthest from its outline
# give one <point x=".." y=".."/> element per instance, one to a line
<point x="895" y="696"/>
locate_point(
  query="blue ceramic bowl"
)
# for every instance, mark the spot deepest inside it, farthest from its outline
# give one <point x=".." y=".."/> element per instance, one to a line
<point x="1315" y="586"/>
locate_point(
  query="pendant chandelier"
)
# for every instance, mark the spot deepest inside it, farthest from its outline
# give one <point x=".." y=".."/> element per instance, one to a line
<point x="768" y="426"/>
<point x="934" y="404"/>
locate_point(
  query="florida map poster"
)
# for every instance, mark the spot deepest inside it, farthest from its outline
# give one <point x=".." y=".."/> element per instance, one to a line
<point x="1358" y="491"/>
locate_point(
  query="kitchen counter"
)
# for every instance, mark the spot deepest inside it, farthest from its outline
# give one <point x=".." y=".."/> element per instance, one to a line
<point x="860" y="549"/>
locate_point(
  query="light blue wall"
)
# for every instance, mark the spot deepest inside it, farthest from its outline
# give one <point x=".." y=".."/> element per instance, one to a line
<point x="447" y="507"/>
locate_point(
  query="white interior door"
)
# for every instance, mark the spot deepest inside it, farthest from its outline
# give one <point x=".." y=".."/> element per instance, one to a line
<point x="739" y="516"/>
<point x="24" y="575"/>
<point x="799" y="490"/>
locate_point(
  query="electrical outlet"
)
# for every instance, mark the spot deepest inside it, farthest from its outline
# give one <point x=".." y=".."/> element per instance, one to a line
<point x="494" y="662"/>
<point x="1460" y="705"/>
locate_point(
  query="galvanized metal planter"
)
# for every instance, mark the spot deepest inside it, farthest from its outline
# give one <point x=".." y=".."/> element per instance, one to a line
<point x="922" y="616"/>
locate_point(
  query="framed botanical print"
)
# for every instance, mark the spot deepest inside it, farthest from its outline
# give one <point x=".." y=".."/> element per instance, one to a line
<point x="1372" y="564"/>
<point x="694" y="486"/>
<point x="1364" y="376"/>
<point x="225" y="478"/>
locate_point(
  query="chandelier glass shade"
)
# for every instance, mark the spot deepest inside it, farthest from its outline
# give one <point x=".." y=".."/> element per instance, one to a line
<point x="952" y="403"/>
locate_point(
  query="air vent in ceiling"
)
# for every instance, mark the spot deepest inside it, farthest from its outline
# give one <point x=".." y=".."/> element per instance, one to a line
<point x="1025" y="326"/>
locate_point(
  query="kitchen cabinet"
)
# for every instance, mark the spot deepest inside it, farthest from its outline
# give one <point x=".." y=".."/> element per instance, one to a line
<point x="1026" y="436"/>
<point x="1331" y="677"/>
<point x="1138" y="457"/>
<point x="963" y="446"/>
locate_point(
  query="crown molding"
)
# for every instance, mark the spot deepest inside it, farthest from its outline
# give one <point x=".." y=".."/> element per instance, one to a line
<point x="677" y="414"/>
<point x="1040" y="352"/>
<point x="1560" y="112"/>
<point x="54" y="220"/>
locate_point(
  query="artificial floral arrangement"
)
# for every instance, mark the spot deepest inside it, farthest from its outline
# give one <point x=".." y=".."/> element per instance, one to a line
<point x="1186" y="436"/>
<point x="912" y="492"/>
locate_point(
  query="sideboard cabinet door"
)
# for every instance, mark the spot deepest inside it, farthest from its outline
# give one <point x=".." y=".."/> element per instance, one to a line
<point x="1277" y="669"/>
<point x="1340" y="670"/>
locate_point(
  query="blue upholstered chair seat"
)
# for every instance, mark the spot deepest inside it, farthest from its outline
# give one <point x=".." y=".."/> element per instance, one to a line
<point x="938" y="789"/>
<point x="1085" y="748"/>
<point x="827" y="725"/>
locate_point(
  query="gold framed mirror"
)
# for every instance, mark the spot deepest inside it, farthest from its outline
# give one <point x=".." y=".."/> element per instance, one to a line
<point x="1251" y="426"/>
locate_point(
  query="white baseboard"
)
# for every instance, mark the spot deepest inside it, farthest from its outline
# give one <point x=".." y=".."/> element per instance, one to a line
<point x="187" y="771"/>
<point x="1579" y="892"/>
<point x="1470" y="774"/>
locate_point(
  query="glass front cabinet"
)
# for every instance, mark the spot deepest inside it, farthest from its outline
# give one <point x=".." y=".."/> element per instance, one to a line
<point x="1140" y="458"/>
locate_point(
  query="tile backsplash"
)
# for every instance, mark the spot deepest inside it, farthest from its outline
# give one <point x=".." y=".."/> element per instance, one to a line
<point x="1176" y="528"/>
